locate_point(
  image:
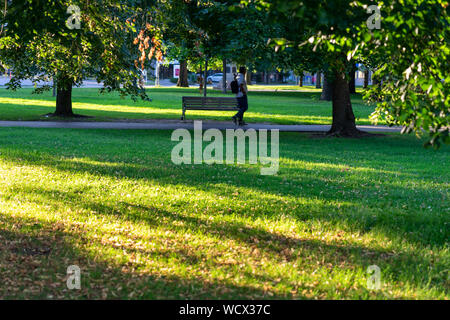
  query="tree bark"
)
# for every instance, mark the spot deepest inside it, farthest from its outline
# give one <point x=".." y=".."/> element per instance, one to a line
<point x="183" y="78"/>
<point x="351" y="84"/>
<point x="319" y="80"/>
<point x="327" y="91"/>
<point x="248" y="77"/>
<point x="64" y="102"/>
<point x="300" y="81"/>
<point x="141" y="80"/>
<point x="205" y="80"/>
<point x="366" y="79"/>
<point x="344" y="123"/>
<point x="224" y="78"/>
<point x="157" y="74"/>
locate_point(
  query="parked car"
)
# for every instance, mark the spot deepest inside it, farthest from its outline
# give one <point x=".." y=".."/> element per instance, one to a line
<point x="217" y="77"/>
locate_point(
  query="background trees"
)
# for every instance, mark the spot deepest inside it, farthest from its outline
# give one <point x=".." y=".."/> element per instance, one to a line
<point x="411" y="45"/>
<point x="102" y="46"/>
<point x="200" y="31"/>
<point x="318" y="36"/>
<point x="326" y="29"/>
<point x="414" y="46"/>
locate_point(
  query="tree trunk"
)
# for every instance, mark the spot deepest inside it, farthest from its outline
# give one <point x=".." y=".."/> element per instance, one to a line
<point x="224" y="78"/>
<point x="64" y="102"/>
<point x="205" y="78"/>
<point x="183" y="78"/>
<point x="366" y="79"/>
<point x="141" y="80"/>
<point x="343" y="118"/>
<point x="157" y="72"/>
<point x="327" y="91"/>
<point x="351" y="84"/>
<point x="248" y="78"/>
<point x="319" y="80"/>
<point x="300" y="81"/>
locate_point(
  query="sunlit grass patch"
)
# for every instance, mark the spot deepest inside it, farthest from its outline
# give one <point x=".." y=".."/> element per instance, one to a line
<point x="282" y="107"/>
<point x="141" y="227"/>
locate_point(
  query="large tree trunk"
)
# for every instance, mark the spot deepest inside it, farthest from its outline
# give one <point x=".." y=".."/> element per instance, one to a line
<point x="183" y="78"/>
<point x="327" y="91"/>
<point x="366" y="79"/>
<point x="248" y="78"/>
<point x="64" y="99"/>
<point x="351" y="84"/>
<point x="319" y="80"/>
<point x="343" y="118"/>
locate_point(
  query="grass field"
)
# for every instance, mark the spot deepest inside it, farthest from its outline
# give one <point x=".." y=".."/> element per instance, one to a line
<point x="275" y="107"/>
<point x="140" y="227"/>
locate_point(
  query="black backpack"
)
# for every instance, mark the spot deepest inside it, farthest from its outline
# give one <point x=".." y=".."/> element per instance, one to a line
<point x="234" y="86"/>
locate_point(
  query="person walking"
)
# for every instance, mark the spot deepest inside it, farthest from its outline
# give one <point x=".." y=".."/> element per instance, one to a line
<point x="241" y="96"/>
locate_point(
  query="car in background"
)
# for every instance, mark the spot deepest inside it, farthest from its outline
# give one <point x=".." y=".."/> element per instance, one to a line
<point x="217" y="77"/>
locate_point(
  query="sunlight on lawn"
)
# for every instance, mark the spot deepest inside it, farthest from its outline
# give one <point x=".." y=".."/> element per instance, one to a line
<point x="127" y="112"/>
<point x="265" y="107"/>
<point x="141" y="227"/>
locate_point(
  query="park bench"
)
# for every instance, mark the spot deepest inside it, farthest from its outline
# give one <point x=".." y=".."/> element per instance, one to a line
<point x="209" y="103"/>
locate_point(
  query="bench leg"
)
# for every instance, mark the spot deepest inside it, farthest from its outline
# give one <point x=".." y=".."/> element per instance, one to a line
<point x="183" y="116"/>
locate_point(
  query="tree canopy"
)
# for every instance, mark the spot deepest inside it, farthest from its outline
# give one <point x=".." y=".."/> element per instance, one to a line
<point x="411" y="49"/>
<point x="97" y="39"/>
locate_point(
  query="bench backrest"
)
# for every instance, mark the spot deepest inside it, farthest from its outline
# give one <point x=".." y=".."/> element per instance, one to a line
<point x="210" y="102"/>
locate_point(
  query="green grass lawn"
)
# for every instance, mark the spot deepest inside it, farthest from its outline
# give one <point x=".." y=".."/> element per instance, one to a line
<point x="282" y="107"/>
<point x="140" y="227"/>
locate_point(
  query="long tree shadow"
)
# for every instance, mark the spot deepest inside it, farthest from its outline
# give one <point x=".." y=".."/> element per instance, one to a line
<point x="273" y="247"/>
<point x="34" y="266"/>
<point x="416" y="228"/>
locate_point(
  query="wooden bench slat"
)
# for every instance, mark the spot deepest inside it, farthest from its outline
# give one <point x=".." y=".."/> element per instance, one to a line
<point x="211" y="102"/>
<point x="217" y="108"/>
<point x="210" y="99"/>
<point x="212" y="105"/>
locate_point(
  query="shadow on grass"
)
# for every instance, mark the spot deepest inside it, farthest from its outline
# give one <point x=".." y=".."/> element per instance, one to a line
<point x="273" y="248"/>
<point x="322" y="189"/>
<point x="139" y="156"/>
<point x="27" y="273"/>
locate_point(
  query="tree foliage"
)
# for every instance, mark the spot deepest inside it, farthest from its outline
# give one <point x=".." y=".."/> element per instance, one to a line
<point x="37" y="43"/>
<point x="410" y="51"/>
<point x="215" y="30"/>
<point x="414" y="45"/>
